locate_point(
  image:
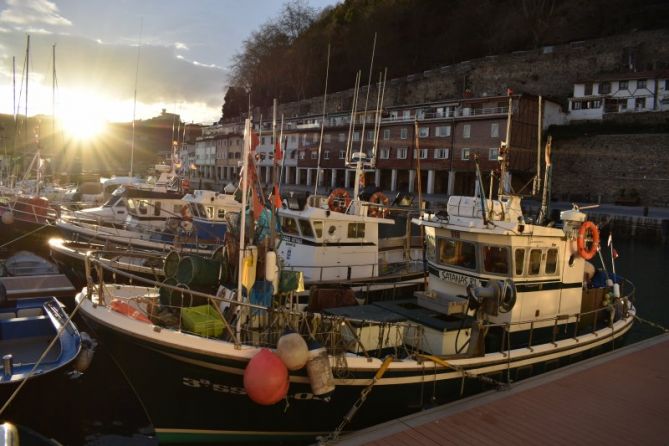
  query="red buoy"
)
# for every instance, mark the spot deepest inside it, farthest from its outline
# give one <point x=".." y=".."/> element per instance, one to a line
<point x="266" y="378"/>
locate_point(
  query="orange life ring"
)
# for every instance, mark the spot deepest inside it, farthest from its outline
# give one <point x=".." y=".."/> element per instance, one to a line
<point x="121" y="307"/>
<point x="339" y="200"/>
<point x="378" y="211"/>
<point x="587" y="234"/>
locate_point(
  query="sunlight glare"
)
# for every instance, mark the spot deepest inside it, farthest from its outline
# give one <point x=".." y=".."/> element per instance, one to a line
<point x="80" y="116"/>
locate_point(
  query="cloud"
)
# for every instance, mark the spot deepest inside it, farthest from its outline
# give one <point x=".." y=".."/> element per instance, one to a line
<point x="26" y="12"/>
<point x="180" y="46"/>
<point x="109" y="69"/>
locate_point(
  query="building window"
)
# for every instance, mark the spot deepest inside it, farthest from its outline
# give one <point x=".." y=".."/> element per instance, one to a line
<point x="328" y="138"/>
<point x="466" y="130"/>
<point x="465" y="154"/>
<point x="641" y="83"/>
<point x="622" y="85"/>
<point x="292" y="154"/>
<point x="423" y="132"/>
<point x="304" y="139"/>
<point x="423" y="153"/>
<point x="493" y="154"/>
<point x="587" y="89"/>
<point x="402" y="153"/>
<point x="326" y="155"/>
<point x="404" y="133"/>
<point x="315" y="137"/>
<point x="440" y="154"/>
<point x="605" y="88"/>
<point x="406" y="114"/>
<point x="576" y="105"/>
<point x="384" y="154"/>
<point x="370" y="135"/>
<point x="494" y="130"/>
<point x="640" y="103"/>
<point x="442" y="131"/>
<point x="342" y="137"/>
<point x="342" y="154"/>
<point x="386" y="134"/>
<point x="314" y="155"/>
<point x="356" y="136"/>
<point x="302" y="154"/>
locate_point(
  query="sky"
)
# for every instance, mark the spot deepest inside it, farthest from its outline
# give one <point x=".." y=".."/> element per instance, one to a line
<point x="179" y="51"/>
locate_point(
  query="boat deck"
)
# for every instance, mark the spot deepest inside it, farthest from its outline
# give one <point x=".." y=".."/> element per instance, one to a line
<point x="618" y="398"/>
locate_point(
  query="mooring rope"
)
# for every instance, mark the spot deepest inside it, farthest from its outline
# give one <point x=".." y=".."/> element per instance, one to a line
<point x="41" y="358"/>
<point x="26" y="235"/>
<point x="652" y="324"/>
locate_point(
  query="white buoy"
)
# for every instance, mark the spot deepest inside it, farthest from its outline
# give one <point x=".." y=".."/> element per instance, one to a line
<point x="319" y="370"/>
<point x="85" y="356"/>
<point x="616" y="290"/>
<point x="272" y="271"/>
<point x="293" y="351"/>
<point x="8" y="217"/>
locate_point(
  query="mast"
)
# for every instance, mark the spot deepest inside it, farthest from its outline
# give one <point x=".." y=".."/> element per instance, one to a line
<point x="320" y="142"/>
<point x="545" y="199"/>
<point x="504" y="186"/>
<point x="134" y="103"/>
<point x="537" y="179"/>
<point x="246" y="148"/>
<point x="53" y="95"/>
<point x="358" y="164"/>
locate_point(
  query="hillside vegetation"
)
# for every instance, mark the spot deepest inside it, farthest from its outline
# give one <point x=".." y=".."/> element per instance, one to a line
<point x="286" y="57"/>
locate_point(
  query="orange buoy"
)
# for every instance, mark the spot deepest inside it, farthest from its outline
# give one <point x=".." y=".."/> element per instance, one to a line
<point x="587" y="240"/>
<point x="378" y="211"/>
<point x="339" y="200"/>
<point x="124" y="308"/>
<point x="266" y="378"/>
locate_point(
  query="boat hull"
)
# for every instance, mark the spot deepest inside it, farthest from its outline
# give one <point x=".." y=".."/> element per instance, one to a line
<point x="193" y="392"/>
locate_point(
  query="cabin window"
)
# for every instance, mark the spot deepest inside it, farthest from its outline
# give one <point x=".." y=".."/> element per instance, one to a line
<point x="495" y="259"/>
<point x="551" y="261"/>
<point x="220" y="214"/>
<point x="429" y="244"/>
<point x="289" y="226"/>
<point x="198" y="210"/>
<point x="143" y="207"/>
<point x="520" y="261"/>
<point x="318" y="227"/>
<point x="535" y="262"/>
<point x="457" y="253"/>
<point x="356" y="230"/>
<point x="305" y="227"/>
<point x="156" y="208"/>
<point x="210" y="212"/>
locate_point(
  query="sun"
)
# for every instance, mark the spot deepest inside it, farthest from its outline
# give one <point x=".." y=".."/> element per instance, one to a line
<point x="80" y="118"/>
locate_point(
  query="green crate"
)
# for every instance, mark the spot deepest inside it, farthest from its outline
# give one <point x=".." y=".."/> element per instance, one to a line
<point x="203" y="320"/>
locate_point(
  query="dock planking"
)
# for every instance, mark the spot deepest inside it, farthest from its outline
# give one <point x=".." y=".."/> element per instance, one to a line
<point x="618" y="398"/>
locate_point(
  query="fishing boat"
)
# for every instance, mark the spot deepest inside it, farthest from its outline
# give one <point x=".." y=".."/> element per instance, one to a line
<point x="36" y="339"/>
<point x="506" y="299"/>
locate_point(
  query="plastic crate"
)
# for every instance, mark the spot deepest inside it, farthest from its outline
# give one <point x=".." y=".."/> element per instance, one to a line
<point x="203" y="320"/>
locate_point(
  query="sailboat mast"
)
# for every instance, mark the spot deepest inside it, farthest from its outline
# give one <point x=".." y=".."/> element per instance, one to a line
<point x="134" y="103"/>
<point x="320" y="141"/>
<point x="358" y="165"/>
<point x="53" y="99"/>
<point x="27" y="78"/>
<point x="246" y="149"/>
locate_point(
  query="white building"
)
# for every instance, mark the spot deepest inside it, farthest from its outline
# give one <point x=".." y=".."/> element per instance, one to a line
<point x="620" y="93"/>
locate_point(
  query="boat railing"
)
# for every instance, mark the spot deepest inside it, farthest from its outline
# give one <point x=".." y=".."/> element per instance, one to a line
<point x="27" y="211"/>
<point x="587" y="322"/>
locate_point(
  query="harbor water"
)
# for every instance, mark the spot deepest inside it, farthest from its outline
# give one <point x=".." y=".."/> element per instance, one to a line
<point x="99" y="408"/>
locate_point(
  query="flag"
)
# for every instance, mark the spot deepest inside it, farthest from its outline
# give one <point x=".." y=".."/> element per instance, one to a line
<point x="614" y="253"/>
<point x="255" y="141"/>
<point x="608" y="243"/>
<point x="258" y="202"/>
<point x="276" y="197"/>
<point x="278" y="154"/>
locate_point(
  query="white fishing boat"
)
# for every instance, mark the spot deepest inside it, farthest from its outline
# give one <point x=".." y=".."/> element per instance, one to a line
<point x="506" y="299"/>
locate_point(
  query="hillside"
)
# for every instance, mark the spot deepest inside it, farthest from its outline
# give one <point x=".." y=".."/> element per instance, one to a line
<point x="286" y="57"/>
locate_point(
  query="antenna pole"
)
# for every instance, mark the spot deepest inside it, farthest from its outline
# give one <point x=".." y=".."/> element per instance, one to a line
<point x="537" y="178"/>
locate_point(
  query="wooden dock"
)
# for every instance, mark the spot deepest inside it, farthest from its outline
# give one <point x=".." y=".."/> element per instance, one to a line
<point x="618" y="398"/>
